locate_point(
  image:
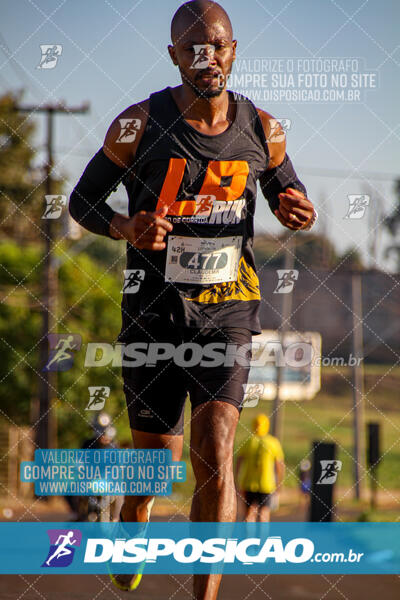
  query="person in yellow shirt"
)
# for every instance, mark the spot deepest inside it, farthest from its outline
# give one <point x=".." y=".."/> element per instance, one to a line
<point x="260" y="467"/>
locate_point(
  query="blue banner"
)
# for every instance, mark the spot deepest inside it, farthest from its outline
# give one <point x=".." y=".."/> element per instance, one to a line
<point x="231" y="548"/>
<point x="103" y="472"/>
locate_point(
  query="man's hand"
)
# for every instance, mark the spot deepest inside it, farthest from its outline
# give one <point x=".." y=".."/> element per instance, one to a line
<point x="145" y="230"/>
<point x="295" y="210"/>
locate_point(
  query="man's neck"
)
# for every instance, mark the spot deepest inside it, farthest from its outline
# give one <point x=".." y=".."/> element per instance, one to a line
<point x="209" y="110"/>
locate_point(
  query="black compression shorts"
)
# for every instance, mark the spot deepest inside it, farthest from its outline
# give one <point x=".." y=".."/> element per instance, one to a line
<point x="156" y="393"/>
<point x="258" y="498"/>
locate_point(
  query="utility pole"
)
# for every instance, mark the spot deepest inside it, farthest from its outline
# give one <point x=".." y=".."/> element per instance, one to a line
<point x="358" y="386"/>
<point x="46" y="427"/>
<point x="287" y="301"/>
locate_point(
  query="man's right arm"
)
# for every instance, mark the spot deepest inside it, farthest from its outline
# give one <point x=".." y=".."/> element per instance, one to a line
<point x="145" y="230"/>
<point x="105" y="172"/>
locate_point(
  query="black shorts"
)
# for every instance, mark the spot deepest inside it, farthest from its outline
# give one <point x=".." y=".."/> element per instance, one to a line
<point x="156" y="393"/>
<point x="258" y="498"/>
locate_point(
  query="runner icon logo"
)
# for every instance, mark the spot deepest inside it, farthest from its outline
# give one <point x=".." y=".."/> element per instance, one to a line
<point x="277" y="132"/>
<point x="62" y="547"/>
<point x="330" y="470"/>
<point x="357" y="206"/>
<point x="54" y="206"/>
<point x="61" y="347"/>
<point x="98" y="396"/>
<point x="287" y="279"/>
<point x="201" y="58"/>
<point x="252" y="394"/>
<point x="132" y="281"/>
<point x="50" y="55"/>
<point x="129" y="129"/>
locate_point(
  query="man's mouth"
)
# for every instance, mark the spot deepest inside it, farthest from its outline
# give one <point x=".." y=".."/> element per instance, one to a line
<point x="208" y="76"/>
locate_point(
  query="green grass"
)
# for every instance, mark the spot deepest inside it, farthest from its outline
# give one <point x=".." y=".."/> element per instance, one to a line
<point x="329" y="418"/>
<point x="379" y="515"/>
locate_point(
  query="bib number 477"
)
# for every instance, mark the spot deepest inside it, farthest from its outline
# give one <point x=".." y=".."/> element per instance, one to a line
<point x="198" y="260"/>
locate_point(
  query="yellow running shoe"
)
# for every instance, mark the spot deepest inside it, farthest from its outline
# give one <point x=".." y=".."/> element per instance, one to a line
<point x="126" y="583"/>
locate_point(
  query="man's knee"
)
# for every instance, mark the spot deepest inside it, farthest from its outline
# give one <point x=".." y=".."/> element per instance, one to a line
<point x="212" y="439"/>
<point x="211" y="459"/>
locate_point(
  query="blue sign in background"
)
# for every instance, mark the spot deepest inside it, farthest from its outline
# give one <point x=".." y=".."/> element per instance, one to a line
<point x="24" y="547"/>
<point x="110" y="472"/>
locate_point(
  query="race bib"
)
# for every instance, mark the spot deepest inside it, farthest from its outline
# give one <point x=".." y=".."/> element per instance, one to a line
<point x="203" y="261"/>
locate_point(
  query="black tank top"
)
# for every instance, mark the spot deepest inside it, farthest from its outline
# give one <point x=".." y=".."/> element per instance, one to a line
<point x="206" y="276"/>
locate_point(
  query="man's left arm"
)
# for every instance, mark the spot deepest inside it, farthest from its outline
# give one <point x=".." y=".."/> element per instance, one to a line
<point x="285" y="193"/>
<point x="279" y="459"/>
<point x="280" y="473"/>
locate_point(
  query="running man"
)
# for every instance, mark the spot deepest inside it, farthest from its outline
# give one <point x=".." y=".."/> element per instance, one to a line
<point x="261" y="468"/>
<point x="62" y="351"/>
<point x="288" y="279"/>
<point x="99" y="397"/>
<point x="330" y="472"/>
<point x="62" y="549"/>
<point x="55" y="205"/>
<point x="50" y="55"/>
<point x="132" y="280"/>
<point x="200" y="284"/>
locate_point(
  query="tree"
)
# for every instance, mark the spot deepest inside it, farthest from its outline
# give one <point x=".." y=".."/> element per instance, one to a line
<point x="89" y="301"/>
<point x="350" y="260"/>
<point x="21" y="183"/>
<point x="17" y="182"/>
<point x="392" y="225"/>
<point x="312" y="249"/>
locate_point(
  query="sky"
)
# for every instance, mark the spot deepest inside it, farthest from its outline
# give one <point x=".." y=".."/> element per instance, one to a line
<point x="343" y="138"/>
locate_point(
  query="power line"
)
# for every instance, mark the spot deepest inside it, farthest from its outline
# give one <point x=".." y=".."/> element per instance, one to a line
<point x="18" y="70"/>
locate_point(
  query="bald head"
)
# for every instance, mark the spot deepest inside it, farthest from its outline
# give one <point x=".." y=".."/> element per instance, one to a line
<point x="198" y="12"/>
<point x="203" y="48"/>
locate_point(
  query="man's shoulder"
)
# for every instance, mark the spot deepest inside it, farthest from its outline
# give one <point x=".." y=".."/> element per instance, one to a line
<point x="125" y="133"/>
<point x="274" y="136"/>
<point x="138" y="110"/>
<point x="126" y="130"/>
<point x="141" y="109"/>
<point x="274" y="443"/>
<point x="271" y="438"/>
<point x="268" y="122"/>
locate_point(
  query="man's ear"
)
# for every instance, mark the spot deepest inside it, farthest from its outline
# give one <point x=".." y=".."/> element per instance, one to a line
<point x="172" y="53"/>
<point x="234" y="46"/>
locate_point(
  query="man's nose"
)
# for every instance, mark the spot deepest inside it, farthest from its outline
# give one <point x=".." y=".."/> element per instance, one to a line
<point x="209" y="51"/>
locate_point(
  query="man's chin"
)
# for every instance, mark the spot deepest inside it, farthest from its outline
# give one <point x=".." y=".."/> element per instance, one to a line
<point x="207" y="92"/>
<point x="211" y="93"/>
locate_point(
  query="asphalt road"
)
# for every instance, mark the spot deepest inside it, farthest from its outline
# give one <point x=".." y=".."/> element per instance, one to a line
<point x="234" y="587"/>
